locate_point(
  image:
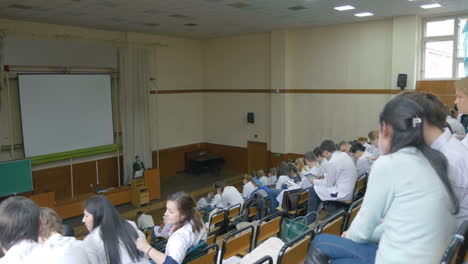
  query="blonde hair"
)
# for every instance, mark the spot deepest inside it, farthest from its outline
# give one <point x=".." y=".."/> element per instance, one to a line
<point x="300" y="165"/>
<point x="51" y="222"/>
<point x="462" y="85"/>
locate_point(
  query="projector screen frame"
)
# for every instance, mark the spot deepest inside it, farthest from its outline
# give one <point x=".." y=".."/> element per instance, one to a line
<point x="111" y="84"/>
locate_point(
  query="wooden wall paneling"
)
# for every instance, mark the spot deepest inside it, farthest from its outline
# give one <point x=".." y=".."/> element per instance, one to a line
<point x="235" y="157"/>
<point x="257" y="155"/>
<point x="437" y="87"/>
<point x="121" y="171"/>
<point x="74" y="207"/>
<point x="108" y="172"/>
<point x="153" y="182"/>
<point x="154" y="158"/>
<point x="44" y="199"/>
<point x="444" y="89"/>
<point x="276" y="160"/>
<point x="448" y="100"/>
<point x="172" y="160"/>
<point x="53" y="180"/>
<point x="84" y="174"/>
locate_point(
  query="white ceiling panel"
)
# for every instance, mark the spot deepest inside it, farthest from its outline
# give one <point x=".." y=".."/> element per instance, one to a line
<point x="212" y="17"/>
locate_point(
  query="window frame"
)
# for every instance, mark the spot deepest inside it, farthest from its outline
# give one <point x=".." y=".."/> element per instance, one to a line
<point x="454" y="37"/>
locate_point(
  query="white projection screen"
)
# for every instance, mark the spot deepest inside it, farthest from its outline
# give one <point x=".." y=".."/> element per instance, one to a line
<point x="64" y="112"/>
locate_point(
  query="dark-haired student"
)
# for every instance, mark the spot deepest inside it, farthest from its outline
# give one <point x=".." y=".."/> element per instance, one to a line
<point x="314" y="171"/>
<point x="438" y="136"/>
<point x="19" y="213"/>
<point x="20" y="228"/>
<point x="338" y="182"/>
<point x="409" y="189"/>
<point x="320" y="158"/>
<point x="187" y="231"/>
<point x="111" y="238"/>
<point x="363" y="164"/>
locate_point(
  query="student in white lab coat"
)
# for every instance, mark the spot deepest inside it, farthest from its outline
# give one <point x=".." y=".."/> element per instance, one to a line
<point x="263" y="178"/>
<point x="373" y="147"/>
<point x="322" y="160"/>
<point x="144" y="221"/>
<point x="249" y="186"/>
<point x="63" y="249"/>
<point x="272" y="176"/>
<point x="314" y="169"/>
<point x="111" y="238"/>
<point x="226" y="196"/>
<point x="338" y="183"/>
<point x="438" y="136"/>
<point x="461" y="87"/>
<point x="187" y="231"/>
<point x="19" y="231"/>
<point x="409" y="188"/>
<point x="363" y="163"/>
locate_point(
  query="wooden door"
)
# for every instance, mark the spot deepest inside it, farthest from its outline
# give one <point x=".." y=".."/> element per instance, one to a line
<point x="257" y="155"/>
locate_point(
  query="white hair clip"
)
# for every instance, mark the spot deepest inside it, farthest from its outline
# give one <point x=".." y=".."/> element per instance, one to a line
<point x="416" y="120"/>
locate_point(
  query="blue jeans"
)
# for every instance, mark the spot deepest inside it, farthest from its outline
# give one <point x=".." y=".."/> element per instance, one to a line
<point x="312" y="204"/>
<point x="344" y="251"/>
<point x="272" y="194"/>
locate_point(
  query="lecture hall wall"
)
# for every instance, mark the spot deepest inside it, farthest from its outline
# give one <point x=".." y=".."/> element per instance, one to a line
<point x="307" y="67"/>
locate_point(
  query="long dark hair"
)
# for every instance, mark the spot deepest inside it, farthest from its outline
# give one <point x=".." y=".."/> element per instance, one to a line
<point x="114" y="229"/>
<point x="405" y="118"/>
<point x="283" y="169"/>
<point x="186" y="205"/>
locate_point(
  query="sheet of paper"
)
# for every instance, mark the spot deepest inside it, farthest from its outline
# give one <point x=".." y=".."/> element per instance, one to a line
<point x="138" y="174"/>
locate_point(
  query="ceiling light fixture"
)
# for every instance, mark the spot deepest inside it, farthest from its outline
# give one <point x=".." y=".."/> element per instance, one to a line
<point x="429" y="6"/>
<point x="364" y="14"/>
<point x="344" y="8"/>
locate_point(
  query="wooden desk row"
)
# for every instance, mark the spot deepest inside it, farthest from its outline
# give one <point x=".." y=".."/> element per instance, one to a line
<point x="118" y="196"/>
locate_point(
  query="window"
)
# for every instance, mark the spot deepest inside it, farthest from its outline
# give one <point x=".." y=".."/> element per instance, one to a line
<point x="443" y="48"/>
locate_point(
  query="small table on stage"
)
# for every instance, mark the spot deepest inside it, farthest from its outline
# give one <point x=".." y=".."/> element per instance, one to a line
<point x="207" y="160"/>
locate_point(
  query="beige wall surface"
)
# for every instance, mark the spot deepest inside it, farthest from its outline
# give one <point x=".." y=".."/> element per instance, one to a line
<point x="235" y="63"/>
<point x="241" y="62"/>
<point x="180" y="119"/>
<point x="332" y="116"/>
<point x="225" y="118"/>
<point x="355" y="56"/>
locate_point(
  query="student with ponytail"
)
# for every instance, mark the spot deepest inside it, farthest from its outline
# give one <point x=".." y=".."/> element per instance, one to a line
<point x="408" y="212"/>
<point x="187" y="230"/>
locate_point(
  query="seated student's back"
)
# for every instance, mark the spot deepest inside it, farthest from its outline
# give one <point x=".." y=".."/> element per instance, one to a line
<point x="60" y="248"/>
<point x="19" y="213"/>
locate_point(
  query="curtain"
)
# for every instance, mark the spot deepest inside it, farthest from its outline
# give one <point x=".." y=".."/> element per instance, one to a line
<point x="465" y="47"/>
<point x="134" y="63"/>
<point x="2" y="73"/>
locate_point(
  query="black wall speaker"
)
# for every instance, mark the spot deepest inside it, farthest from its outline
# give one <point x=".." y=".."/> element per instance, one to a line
<point x="402" y="79"/>
<point x="250" y="117"/>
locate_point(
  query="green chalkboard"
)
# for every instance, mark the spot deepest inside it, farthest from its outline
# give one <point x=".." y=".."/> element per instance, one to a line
<point x="15" y="177"/>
